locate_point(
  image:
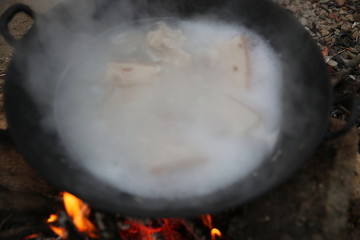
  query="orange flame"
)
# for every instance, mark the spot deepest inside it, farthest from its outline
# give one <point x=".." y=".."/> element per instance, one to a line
<point x="214" y="233"/>
<point x="79" y="212"/>
<point x="34" y="235"/>
<point x="52" y="218"/>
<point x="207" y="220"/>
<point x="61" y="232"/>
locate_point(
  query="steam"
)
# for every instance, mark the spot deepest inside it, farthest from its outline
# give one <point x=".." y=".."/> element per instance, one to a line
<point x="128" y="145"/>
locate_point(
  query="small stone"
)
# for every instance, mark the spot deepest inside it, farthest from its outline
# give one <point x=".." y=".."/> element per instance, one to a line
<point x="324" y="32"/>
<point x="309" y="12"/>
<point x="324" y="6"/>
<point x="349" y="17"/>
<point x="356" y="17"/>
<point x="352" y="7"/>
<point x="340" y="2"/>
<point x="294" y="9"/>
<point x="332" y="63"/>
<point x="327" y="58"/>
<point x="345" y="27"/>
<point x="355" y="35"/>
<point x="303" y="21"/>
<point x="344" y="55"/>
<point x="323" y="1"/>
<point x="340" y="60"/>
<point x="323" y="12"/>
<point x="334" y="16"/>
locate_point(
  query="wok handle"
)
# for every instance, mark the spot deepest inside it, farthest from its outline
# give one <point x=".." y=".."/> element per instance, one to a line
<point x="354" y="103"/>
<point x="8" y="15"/>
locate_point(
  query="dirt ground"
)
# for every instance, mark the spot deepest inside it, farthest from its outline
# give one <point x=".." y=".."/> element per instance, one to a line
<point x="335" y="26"/>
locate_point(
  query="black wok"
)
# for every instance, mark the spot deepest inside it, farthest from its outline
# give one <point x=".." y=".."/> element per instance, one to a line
<point x="302" y="64"/>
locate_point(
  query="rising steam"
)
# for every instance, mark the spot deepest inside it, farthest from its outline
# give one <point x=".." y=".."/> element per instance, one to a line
<point x="188" y="133"/>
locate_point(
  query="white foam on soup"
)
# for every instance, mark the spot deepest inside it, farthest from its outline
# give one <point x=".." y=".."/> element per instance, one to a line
<point x="188" y="131"/>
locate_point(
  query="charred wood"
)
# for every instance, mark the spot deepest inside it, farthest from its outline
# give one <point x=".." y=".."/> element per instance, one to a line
<point x="25" y="203"/>
<point x="22" y="232"/>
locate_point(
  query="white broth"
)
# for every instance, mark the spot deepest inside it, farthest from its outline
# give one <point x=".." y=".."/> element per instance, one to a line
<point x="180" y="110"/>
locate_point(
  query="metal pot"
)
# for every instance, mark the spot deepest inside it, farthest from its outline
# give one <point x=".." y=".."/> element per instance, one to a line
<point x="302" y="64"/>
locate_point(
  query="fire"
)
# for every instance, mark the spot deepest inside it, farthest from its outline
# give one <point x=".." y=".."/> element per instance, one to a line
<point x="207" y="220"/>
<point x="214" y="233"/>
<point x="79" y="212"/>
<point x="61" y="232"/>
<point x="52" y="218"/>
<point x="139" y="230"/>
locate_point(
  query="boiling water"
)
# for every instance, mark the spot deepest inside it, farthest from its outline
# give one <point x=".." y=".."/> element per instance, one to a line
<point x="188" y="131"/>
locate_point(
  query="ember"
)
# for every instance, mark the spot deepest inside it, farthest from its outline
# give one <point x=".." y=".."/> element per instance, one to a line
<point x="130" y="228"/>
<point x="160" y="229"/>
<point x="32" y="236"/>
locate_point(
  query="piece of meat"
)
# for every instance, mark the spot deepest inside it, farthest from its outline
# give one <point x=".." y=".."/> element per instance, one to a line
<point x="128" y="78"/>
<point x="231" y="59"/>
<point x="236" y="116"/>
<point x="165" y="43"/>
<point x="122" y="74"/>
<point x="174" y="156"/>
<point x="228" y="114"/>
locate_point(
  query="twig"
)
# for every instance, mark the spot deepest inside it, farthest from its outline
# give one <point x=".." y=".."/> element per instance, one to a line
<point x="4" y="221"/>
<point x="342" y="108"/>
<point x="20" y="232"/>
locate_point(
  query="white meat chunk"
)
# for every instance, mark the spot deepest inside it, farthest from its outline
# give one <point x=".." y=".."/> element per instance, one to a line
<point x="174" y="156"/>
<point x="128" y="78"/>
<point x="124" y="74"/>
<point x="234" y="115"/>
<point x="231" y="60"/>
<point x="165" y="44"/>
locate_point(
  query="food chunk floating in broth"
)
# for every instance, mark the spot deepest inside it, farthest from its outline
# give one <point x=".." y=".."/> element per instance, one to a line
<point x="180" y="109"/>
